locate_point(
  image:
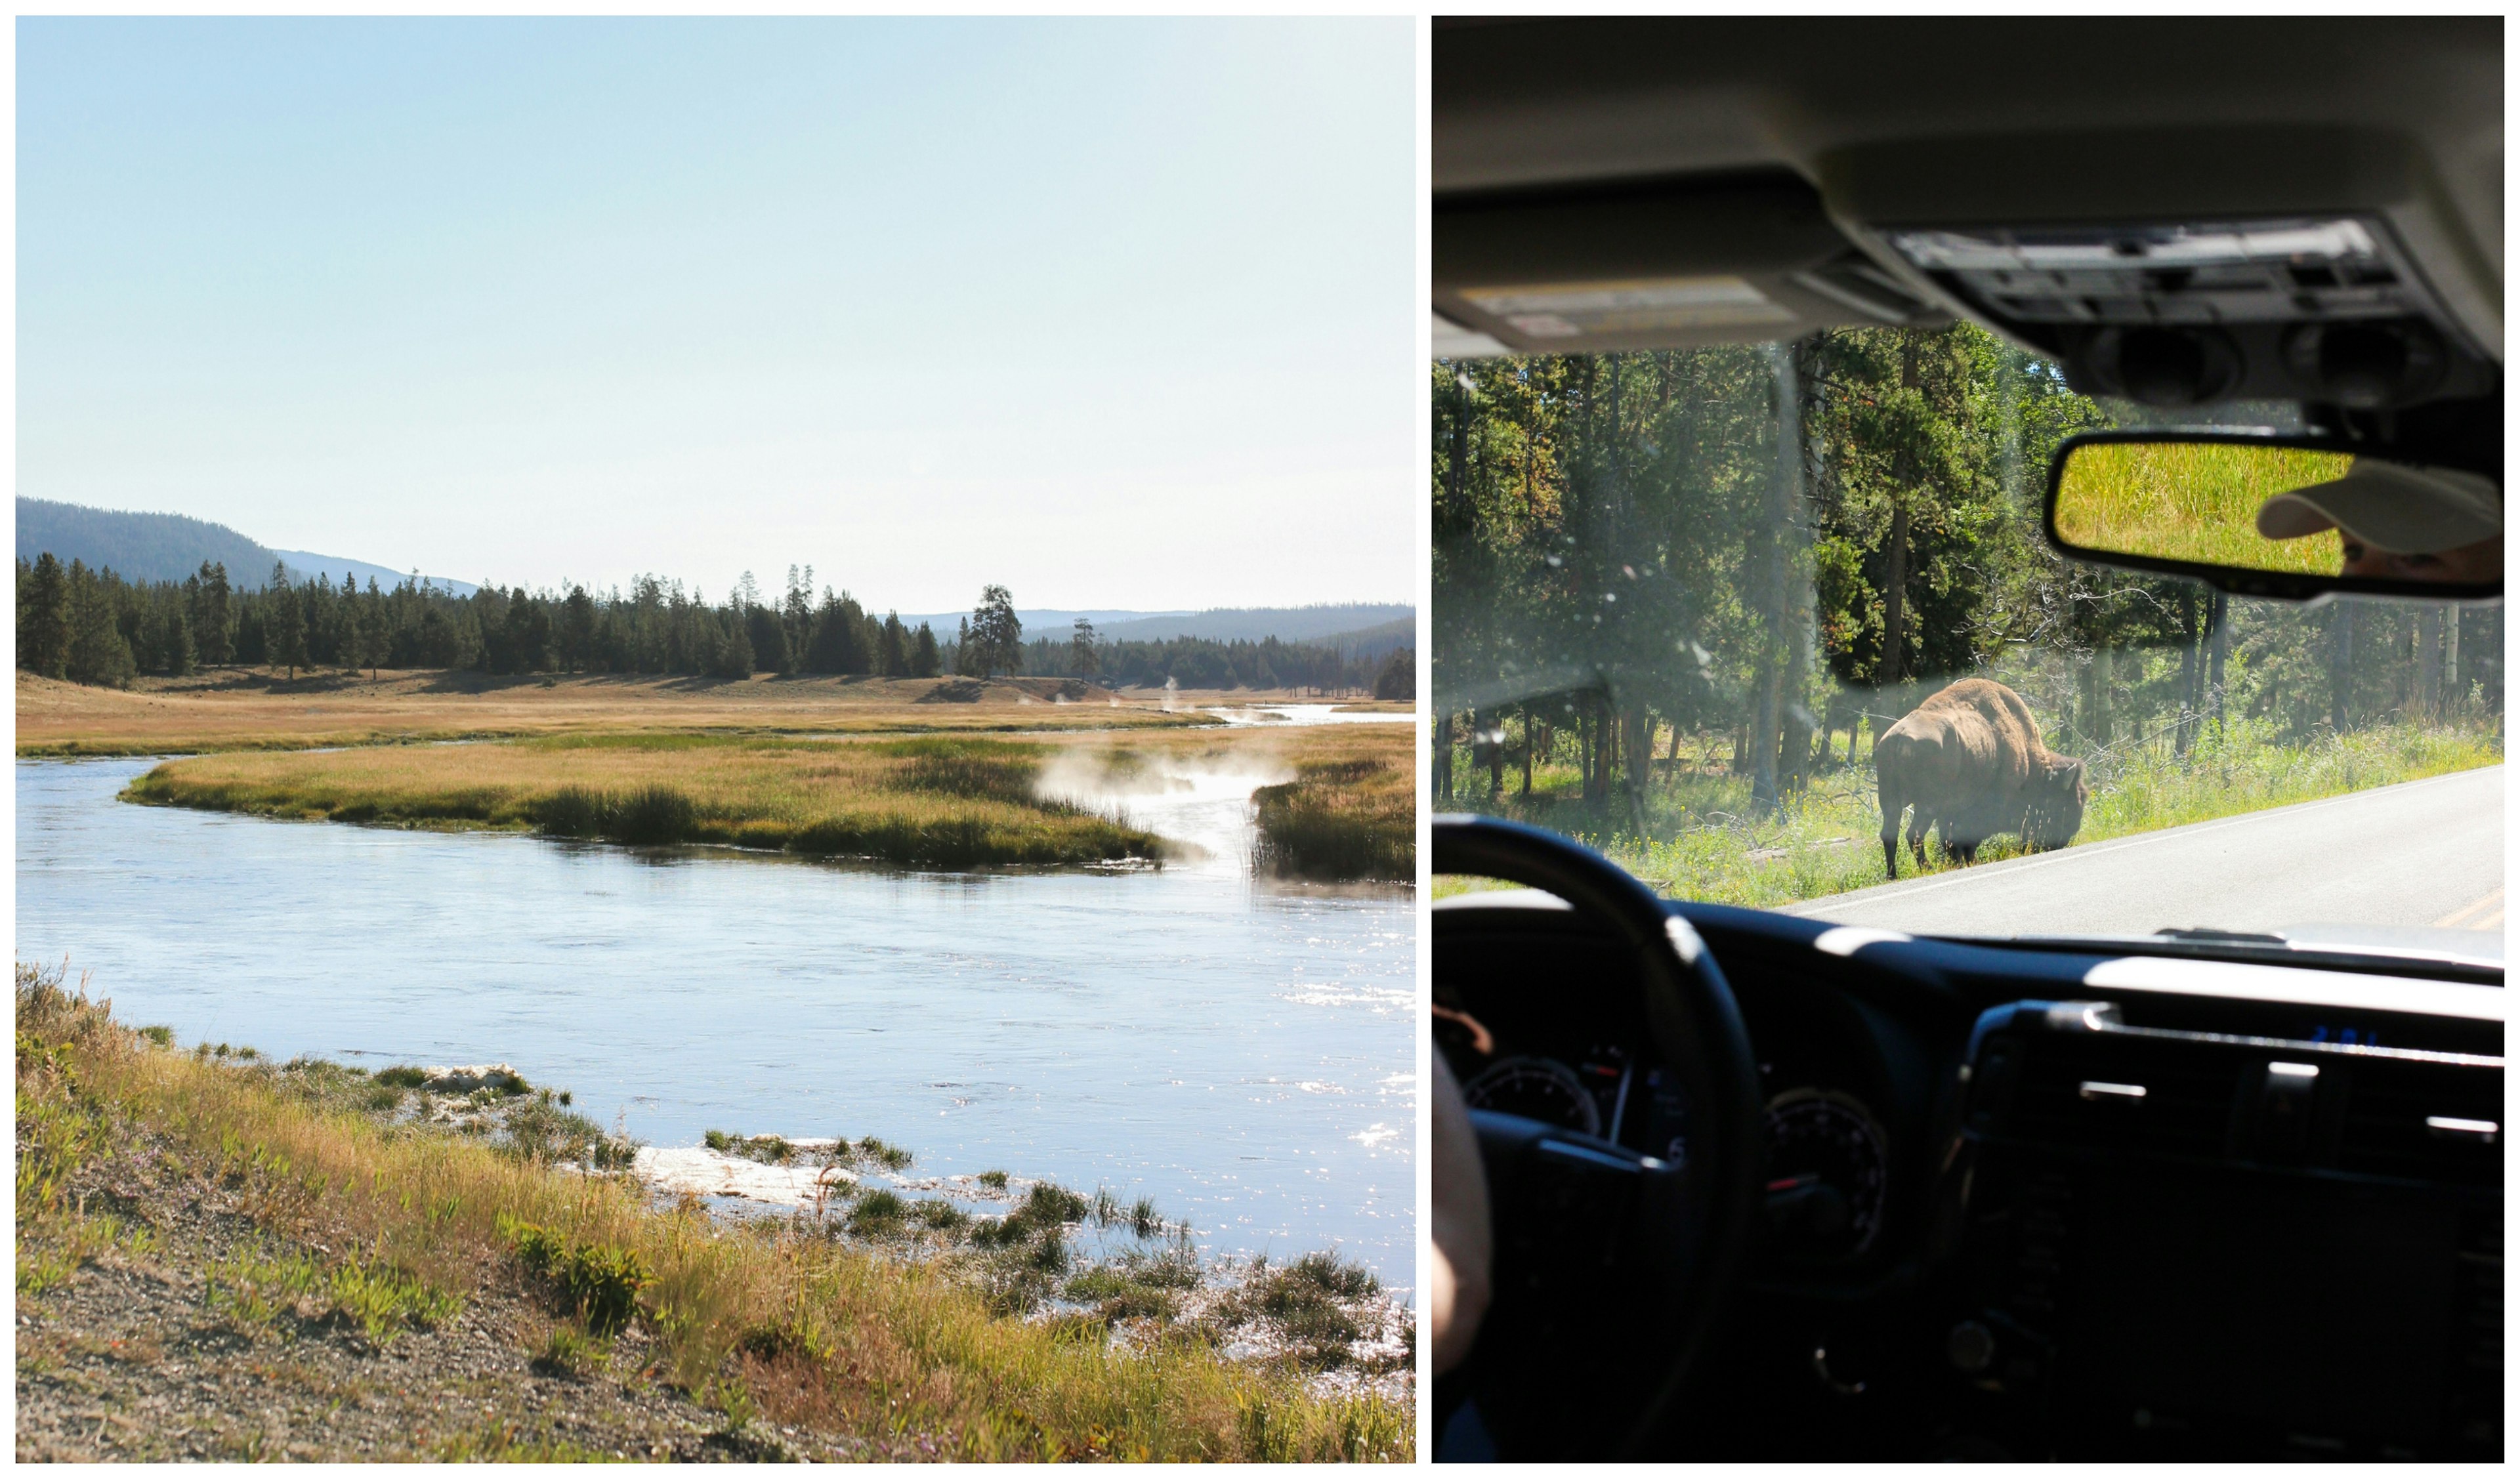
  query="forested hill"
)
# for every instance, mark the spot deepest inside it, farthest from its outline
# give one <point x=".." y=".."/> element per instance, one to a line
<point x="305" y="566"/>
<point x="138" y="546"/>
<point x="1349" y="624"/>
<point x="1311" y="623"/>
<point x="172" y="546"/>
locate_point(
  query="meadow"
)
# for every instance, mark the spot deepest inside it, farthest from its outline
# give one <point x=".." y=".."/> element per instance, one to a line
<point x="362" y="1231"/>
<point x="933" y="800"/>
<point x="1701" y="839"/>
<point x="235" y="708"/>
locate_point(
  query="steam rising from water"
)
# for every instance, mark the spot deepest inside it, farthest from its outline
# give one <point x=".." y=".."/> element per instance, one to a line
<point x="1181" y="799"/>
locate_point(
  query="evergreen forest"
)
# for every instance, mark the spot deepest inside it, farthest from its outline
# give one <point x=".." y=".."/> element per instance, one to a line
<point x="1762" y="551"/>
<point x="94" y="626"/>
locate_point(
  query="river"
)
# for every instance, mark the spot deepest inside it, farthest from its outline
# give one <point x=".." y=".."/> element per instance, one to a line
<point x="1239" y="1050"/>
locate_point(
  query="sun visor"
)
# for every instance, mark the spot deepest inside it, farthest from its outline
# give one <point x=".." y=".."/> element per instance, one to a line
<point x="1652" y="267"/>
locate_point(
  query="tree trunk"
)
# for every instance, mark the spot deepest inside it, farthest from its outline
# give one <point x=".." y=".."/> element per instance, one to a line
<point x="1894" y="602"/>
<point x="2188" y="674"/>
<point x="2095" y="696"/>
<point x="2453" y="693"/>
<point x="1444" y="757"/>
<point x="2428" y="643"/>
<point x="1639" y="745"/>
<point x="1527" y="727"/>
<point x="2340" y="669"/>
<point x="2219" y="615"/>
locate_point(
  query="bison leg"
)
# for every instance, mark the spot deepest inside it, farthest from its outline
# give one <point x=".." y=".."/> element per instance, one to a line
<point x="1917" y="829"/>
<point x="1890" y="840"/>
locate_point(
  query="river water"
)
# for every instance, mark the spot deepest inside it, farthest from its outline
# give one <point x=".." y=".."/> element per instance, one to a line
<point x="1239" y="1050"/>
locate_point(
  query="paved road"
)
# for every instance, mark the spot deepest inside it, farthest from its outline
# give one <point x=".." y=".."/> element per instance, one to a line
<point x="2424" y="853"/>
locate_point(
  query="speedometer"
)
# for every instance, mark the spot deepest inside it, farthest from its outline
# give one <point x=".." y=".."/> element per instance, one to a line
<point x="1536" y="1088"/>
<point x="1828" y="1170"/>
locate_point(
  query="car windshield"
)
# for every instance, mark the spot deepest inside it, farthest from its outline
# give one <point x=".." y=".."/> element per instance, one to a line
<point x="1708" y="608"/>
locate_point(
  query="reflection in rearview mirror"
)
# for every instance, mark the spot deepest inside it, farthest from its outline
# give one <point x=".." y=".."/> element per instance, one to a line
<point x="2280" y="516"/>
<point x="2195" y="501"/>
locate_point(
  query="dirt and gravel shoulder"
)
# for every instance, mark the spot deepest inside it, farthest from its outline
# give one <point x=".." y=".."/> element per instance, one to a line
<point x="135" y="1355"/>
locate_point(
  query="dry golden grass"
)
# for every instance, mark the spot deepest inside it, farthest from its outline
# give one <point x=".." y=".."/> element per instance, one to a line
<point x="1351" y="811"/>
<point x="869" y="1345"/>
<point x="240" y="709"/>
<point x="933" y="800"/>
<point x="938" y="800"/>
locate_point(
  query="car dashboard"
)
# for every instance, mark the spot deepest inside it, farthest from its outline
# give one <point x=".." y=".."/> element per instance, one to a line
<point x="2028" y="1202"/>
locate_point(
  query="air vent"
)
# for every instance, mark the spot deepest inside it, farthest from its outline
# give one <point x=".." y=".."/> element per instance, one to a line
<point x="2106" y="1091"/>
<point x="2425" y="1121"/>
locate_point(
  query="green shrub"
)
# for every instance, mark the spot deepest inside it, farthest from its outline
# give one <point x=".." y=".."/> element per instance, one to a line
<point x="600" y="1281"/>
<point x="877" y="1212"/>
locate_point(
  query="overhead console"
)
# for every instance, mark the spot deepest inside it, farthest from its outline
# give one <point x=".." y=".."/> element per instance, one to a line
<point x="2183" y="1228"/>
<point x="2177" y="314"/>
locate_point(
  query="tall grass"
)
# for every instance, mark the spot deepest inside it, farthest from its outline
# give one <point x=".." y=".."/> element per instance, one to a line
<point x="1703" y="840"/>
<point x="934" y="802"/>
<point x="2195" y="501"/>
<point x="740" y="1316"/>
<point x="1351" y="812"/>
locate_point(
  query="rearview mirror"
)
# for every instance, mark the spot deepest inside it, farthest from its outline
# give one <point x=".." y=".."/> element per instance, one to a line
<point x="2287" y="516"/>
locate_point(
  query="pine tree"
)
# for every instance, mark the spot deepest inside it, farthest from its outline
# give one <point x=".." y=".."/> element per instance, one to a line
<point x="922" y="653"/>
<point x="98" y="651"/>
<point x="177" y="651"/>
<point x="996" y="633"/>
<point x="896" y="647"/>
<point x="44" y="617"/>
<point x="285" y="625"/>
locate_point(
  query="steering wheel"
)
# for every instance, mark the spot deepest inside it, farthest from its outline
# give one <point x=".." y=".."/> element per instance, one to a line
<point x="1611" y="1266"/>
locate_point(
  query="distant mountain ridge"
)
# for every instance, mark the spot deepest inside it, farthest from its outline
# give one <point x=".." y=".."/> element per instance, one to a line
<point x="173" y="546"/>
<point x="1358" y="626"/>
<point x="138" y="546"/>
<point x="304" y="564"/>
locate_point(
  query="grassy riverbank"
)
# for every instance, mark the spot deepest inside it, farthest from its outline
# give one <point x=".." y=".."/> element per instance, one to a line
<point x="235" y="1259"/>
<point x="1701" y="840"/>
<point x="1346" y="810"/>
<point x="1351" y="811"/>
<point x="934" y="801"/>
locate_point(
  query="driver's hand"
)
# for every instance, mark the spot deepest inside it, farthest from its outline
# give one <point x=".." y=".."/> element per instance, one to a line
<point x="1458" y="1293"/>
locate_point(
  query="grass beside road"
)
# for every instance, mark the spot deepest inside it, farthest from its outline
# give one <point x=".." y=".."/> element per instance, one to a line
<point x="933" y="801"/>
<point x="2195" y="501"/>
<point x="1702" y="841"/>
<point x="398" y="1227"/>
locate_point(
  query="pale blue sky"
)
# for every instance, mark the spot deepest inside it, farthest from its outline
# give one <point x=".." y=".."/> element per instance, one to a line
<point x="1117" y="313"/>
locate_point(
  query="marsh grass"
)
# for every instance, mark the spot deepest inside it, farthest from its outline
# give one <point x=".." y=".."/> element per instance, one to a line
<point x="949" y="802"/>
<point x="1351" y="811"/>
<point x="1703" y="843"/>
<point x="897" y="1344"/>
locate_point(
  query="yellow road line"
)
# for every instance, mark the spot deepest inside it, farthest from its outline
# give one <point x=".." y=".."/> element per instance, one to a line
<point x="2468" y="917"/>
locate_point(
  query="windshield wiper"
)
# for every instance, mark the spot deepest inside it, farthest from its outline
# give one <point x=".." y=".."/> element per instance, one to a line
<point x="2230" y="936"/>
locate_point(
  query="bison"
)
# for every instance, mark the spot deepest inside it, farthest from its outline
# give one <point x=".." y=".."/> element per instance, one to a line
<point x="1970" y="761"/>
